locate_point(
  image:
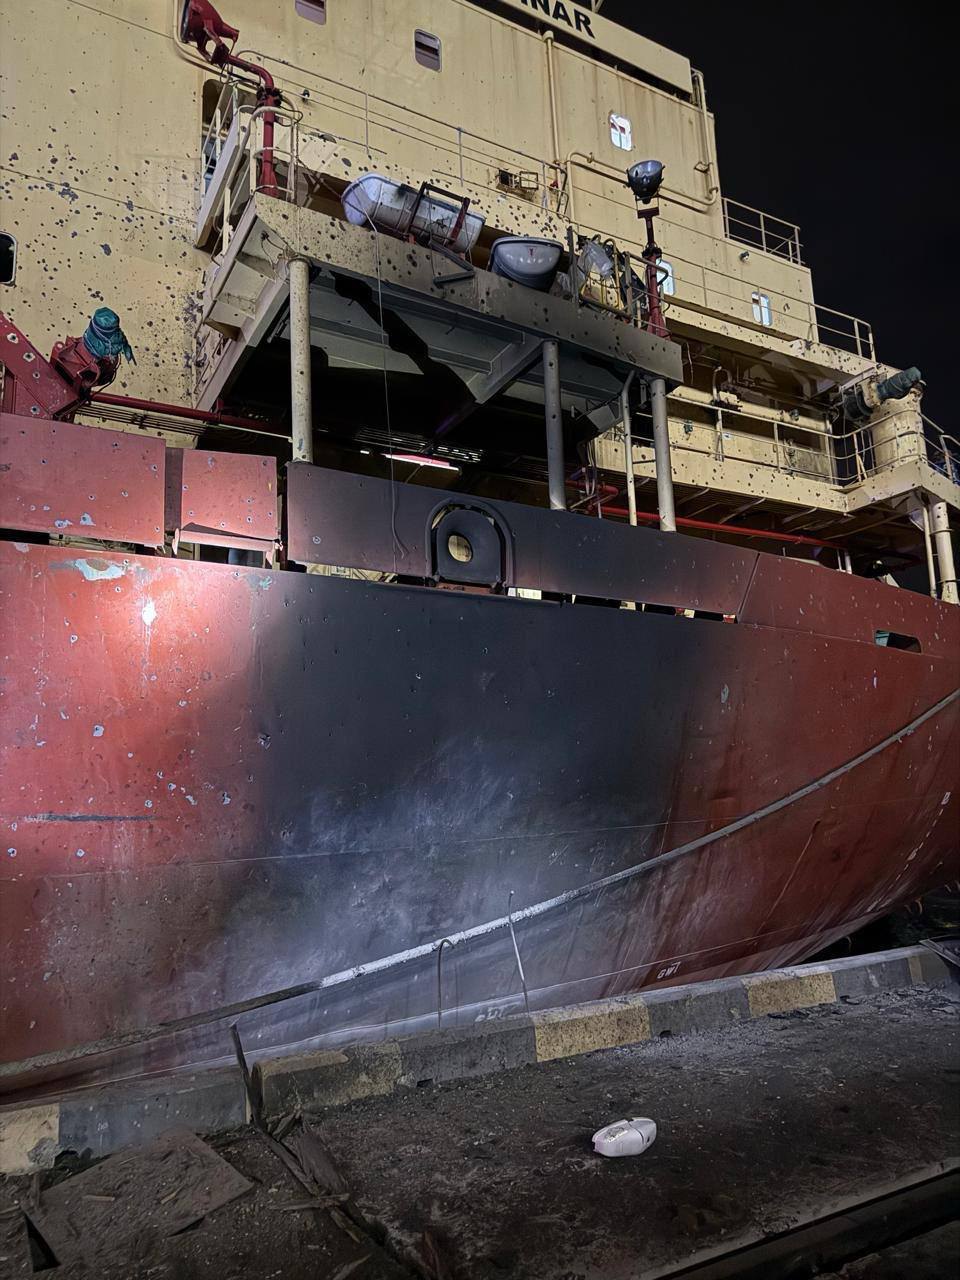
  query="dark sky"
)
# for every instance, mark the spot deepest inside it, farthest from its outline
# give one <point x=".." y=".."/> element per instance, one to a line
<point x="834" y="116"/>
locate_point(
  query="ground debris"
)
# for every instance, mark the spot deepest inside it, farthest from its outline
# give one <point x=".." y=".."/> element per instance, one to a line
<point x="314" y="1158"/>
<point x="350" y="1268"/>
<point x="14" y="1242"/>
<point x="436" y="1264"/>
<point x="127" y="1203"/>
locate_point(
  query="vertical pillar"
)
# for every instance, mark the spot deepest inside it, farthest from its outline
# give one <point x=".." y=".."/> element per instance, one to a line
<point x="943" y="540"/>
<point x="661" y="446"/>
<point x="554" y="425"/>
<point x="301" y="393"/>
<point x="628" y="448"/>
<point x="928" y="549"/>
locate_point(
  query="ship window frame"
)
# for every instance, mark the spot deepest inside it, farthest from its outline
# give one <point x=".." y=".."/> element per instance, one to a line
<point x="10" y="240"/>
<point x="312" y="10"/>
<point x="617" y="134"/>
<point x="428" y="49"/>
<point x="897" y="640"/>
<point x="762" y="310"/>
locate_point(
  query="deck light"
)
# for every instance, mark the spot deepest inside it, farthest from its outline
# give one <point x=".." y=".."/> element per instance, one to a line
<point x="644" y="179"/>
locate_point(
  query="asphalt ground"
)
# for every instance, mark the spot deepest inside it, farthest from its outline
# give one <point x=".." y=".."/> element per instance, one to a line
<point x="760" y="1128"/>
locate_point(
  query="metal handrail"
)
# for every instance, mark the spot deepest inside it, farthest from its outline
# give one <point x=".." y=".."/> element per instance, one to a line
<point x="857" y="333"/>
<point x="806" y="319"/>
<point x="839" y="459"/>
<point x="764" y="231"/>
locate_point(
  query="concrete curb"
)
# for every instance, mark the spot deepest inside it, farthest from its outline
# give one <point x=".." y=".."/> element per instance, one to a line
<point x="106" y="1119"/>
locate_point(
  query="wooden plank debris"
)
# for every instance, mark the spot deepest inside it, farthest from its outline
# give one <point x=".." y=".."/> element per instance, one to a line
<point x="128" y="1201"/>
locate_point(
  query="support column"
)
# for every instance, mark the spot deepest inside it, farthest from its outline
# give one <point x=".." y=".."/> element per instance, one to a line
<point x="928" y="549"/>
<point x="943" y="540"/>
<point x="661" y="446"/>
<point x="628" y="448"/>
<point x="301" y="392"/>
<point x="554" y="425"/>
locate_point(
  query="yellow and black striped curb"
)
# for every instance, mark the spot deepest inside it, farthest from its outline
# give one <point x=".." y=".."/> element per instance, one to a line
<point x="106" y="1119"/>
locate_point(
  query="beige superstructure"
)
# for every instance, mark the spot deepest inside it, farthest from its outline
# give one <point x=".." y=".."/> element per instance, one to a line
<point x="130" y="178"/>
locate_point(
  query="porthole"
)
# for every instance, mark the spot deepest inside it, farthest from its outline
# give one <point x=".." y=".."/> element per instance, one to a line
<point x="427" y="50"/>
<point x="312" y="10"/>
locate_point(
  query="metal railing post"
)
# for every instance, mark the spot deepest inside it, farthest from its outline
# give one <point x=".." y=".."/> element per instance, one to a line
<point x="444" y="942"/>
<point x="628" y="448"/>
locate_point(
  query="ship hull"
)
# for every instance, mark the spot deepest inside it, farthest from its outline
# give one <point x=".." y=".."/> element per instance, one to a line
<point x="221" y="784"/>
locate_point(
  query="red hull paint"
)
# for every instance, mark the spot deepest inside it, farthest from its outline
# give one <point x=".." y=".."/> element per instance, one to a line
<point x="217" y="782"/>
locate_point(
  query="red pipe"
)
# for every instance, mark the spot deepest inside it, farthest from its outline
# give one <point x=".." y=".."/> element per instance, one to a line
<point x="266" y="94"/>
<point x="201" y="24"/>
<point x="651" y="257"/>
<point x="597" y="498"/>
<point x="181" y="411"/>
<point x="797" y="539"/>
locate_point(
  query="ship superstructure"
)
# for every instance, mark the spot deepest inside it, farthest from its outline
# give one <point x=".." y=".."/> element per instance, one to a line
<point x="443" y="298"/>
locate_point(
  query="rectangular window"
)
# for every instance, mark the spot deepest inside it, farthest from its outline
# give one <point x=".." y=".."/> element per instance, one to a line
<point x="621" y="134"/>
<point x="8" y="258"/>
<point x="665" y="278"/>
<point x="426" y="49"/>
<point x="314" y="10"/>
<point x="896" y="640"/>
<point x="761" y="309"/>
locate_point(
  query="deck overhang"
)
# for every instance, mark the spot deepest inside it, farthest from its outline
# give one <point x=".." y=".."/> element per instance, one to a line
<point x="375" y="300"/>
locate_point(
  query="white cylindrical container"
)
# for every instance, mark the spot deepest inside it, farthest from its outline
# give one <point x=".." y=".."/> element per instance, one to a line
<point x="393" y="207"/>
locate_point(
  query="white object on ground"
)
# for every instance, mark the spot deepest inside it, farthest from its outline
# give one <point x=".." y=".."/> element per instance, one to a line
<point x="625" y="1137"/>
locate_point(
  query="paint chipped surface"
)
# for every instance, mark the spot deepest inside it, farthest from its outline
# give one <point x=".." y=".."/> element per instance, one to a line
<point x="46" y="488"/>
<point x="316" y="869"/>
<point x="99" y="570"/>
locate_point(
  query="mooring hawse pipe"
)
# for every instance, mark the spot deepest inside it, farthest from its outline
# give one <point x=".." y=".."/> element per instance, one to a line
<point x="628" y="447"/>
<point x="661" y="448"/>
<point x="553" y="418"/>
<point x="301" y="390"/>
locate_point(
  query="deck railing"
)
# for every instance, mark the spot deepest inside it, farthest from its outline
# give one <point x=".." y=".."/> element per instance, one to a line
<point x="825" y="453"/>
<point x="743" y="223"/>
<point x="461" y="155"/>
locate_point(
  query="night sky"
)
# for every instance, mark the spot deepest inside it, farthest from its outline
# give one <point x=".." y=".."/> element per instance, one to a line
<point x="834" y="116"/>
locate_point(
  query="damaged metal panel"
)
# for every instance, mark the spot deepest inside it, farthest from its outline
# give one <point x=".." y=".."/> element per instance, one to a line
<point x="221" y="782"/>
<point x="78" y="481"/>
<point x="798" y="596"/>
<point x="34" y="388"/>
<point x="358" y="523"/>
<point x="222" y="499"/>
<point x="405" y="276"/>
